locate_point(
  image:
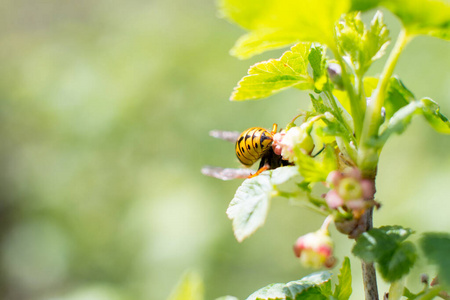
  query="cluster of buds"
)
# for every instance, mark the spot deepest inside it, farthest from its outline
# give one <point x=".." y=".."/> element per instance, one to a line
<point x="315" y="249"/>
<point x="350" y="189"/>
<point x="285" y="142"/>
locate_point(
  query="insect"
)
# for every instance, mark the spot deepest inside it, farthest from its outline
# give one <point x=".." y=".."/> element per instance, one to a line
<point x="251" y="145"/>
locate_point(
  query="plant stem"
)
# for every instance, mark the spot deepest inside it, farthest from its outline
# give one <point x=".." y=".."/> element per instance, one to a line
<point x="368" y="156"/>
<point x="356" y="107"/>
<point x="368" y="269"/>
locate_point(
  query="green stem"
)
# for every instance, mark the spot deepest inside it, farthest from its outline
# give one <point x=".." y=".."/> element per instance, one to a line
<point x="356" y="107"/>
<point x="338" y="114"/>
<point x="368" y="156"/>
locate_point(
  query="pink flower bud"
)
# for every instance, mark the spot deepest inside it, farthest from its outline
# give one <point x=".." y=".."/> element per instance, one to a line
<point x="349" y="189"/>
<point x="315" y="249"/>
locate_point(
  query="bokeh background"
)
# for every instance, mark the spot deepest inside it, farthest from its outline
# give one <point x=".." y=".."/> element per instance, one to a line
<point x="104" y="119"/>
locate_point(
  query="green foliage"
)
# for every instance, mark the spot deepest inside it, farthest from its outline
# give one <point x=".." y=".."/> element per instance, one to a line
<point x="352" y="116"/>
<point x="436" y="247"/>
<point x="250" y="205"/>
<point x="402" y="118"/>
<point x="426" y="294"/>
<point x="427" y="17"/>
<point x="227" y="298"/>
<point x="343" y="290"/>
<point x="397" y="97"/>
<point x="387" y="247"/>
<point x="362" y="46"/>
<point x="275" y="75"/>
<point x="273" y="24"/>
<point x="316" y="169"/>
<point x="189" y="288"/>
<point x="309" y="287"/>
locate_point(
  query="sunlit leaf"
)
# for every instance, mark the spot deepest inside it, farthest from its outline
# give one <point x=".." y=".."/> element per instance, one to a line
<point x="316" y="169"/>
<point x="250" y="205"/>
<point x="344" y="287"/>
<point x="317" y="61"/>
<point x="273" y="23"/>
<point x="362" y="45"/>
<point x="306" y="288"/>
<point x="427" y="17"/>
<point x="283" y="174"/>
<point x="272" y="76"/>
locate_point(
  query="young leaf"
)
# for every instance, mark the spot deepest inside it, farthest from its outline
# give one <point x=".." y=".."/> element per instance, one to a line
<point x="402" y="118"/>
<point x="273" y="24"/>
<point x="361" y="45"/>
<point x="436" y="247"/>
<point x="272" y="76"/>
<point x="387" y="247"/>
<point x="397" y="97"/>
<point x="432" y="113"/>
<point x="317" y="60"/>
<point x="316" y="169"/>
<point x="250" y="205"/>
<point x="344" y="288"/>
<point x="189" y="288"/>
<point x="306" y="288"/>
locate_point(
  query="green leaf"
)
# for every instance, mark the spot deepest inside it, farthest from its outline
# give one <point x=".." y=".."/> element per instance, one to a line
<point x="363" y="5"/>
<point x="424" y="17"/>
<point x="398" y="264"/>
<point x="436" y="247"/>
<point x="309" y="287"/>
<point x="402" y="118"/>
<point x="254" y="43"/>
<point x="427" y="17"/>
<point x="397" y="97"/>
<point x="250" y="205"/>
<point x="189" y="288"/>
<point x="426" y="294"/>
<point x="273" y="24"/>
<point x="432" y="113"/>
<point x="344" y="288"/>
<point x="316" y="169"/>
<point x="283" y="174"/>
<point x="361" y="45"/>
<point x="387" y="247"/>
<point x="272" y="76"/>
<point x="317" y="60"/>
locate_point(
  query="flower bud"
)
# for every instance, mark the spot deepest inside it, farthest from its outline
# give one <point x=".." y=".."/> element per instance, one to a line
<point x="349" y="189"/>
<point x="334" y="72"/>
<point x="296" y="137"/>
<point x="315" y="249"/>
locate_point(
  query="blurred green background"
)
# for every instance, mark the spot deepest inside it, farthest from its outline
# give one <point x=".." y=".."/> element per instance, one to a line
<point x="106" y="108"/>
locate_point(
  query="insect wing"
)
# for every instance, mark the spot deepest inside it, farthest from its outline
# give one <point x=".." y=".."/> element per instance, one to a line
<point x="230" y="136"/>
<point x="226" y="173"/>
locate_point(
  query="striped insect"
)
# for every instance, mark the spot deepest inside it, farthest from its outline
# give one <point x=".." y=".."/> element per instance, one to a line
<point x="251" y="145"/>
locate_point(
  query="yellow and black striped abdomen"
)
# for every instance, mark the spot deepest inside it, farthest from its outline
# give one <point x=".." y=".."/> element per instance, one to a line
<point x="252" y="144"/>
